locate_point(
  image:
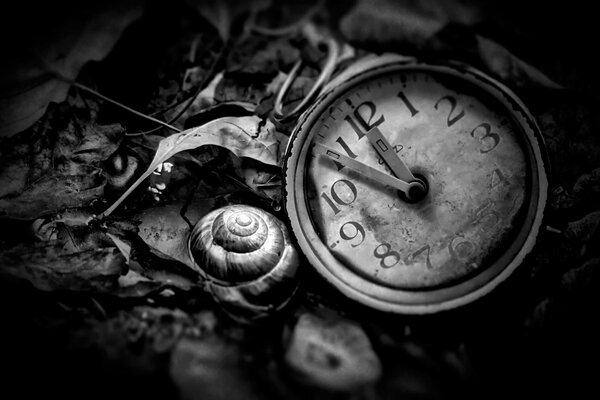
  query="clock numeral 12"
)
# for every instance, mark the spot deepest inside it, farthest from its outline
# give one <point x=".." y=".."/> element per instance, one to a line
<point x="361" y="125"/>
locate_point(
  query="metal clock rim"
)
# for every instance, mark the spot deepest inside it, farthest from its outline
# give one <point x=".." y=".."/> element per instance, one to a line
<point x="396" y="300"/>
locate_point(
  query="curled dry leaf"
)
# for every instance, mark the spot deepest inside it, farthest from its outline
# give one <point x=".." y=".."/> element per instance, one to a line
<point x="209" y="369"/>
<point x="223" y="13"/>
<point x="573" y="305"/>
<point x="588" y="184"/>
<point x="261" y="58"/>
<point x="421" y="24"/>
<point x="54" y="193"/>
<point x="247" y="136"/>
<point x="582" y="230"/>
<point x="48" y="267"/>
<point x="511" y="68"/>
<point x="85" y="33"/>
<point x="59" y="166"/>
<point x="164" y="229"/>
<point x="389" y="22"/>
<point x="221" y="110"/>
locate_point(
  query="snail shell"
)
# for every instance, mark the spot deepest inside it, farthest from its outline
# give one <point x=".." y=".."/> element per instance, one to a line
<point x="246" y="257"/>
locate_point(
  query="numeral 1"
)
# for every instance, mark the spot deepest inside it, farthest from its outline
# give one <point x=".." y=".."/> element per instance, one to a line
<point x="408" y="104"/>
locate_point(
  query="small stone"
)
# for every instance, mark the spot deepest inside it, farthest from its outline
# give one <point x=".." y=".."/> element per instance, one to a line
<point x="333" y="354"/>
<point x="167" y="293"/>
<point x="210" y="369"/>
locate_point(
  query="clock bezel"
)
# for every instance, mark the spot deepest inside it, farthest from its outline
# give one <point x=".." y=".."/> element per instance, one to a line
<point x="397" y="300"/>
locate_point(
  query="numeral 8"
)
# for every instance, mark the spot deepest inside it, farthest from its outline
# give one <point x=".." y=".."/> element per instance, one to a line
<point x="386" y="254"/>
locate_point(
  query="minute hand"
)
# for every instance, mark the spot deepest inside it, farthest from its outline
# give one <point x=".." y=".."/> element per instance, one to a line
<point x="361" y="168"/>
<point x="386" y="151"/>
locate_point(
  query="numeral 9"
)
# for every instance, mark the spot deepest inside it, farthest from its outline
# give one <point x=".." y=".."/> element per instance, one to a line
<point x="358" y="229"/>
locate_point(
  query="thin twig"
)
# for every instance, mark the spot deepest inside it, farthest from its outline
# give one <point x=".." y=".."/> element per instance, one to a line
<point x="91" y="91"/>
<point x="123" y="106"/>
<point x="205" y="80"/>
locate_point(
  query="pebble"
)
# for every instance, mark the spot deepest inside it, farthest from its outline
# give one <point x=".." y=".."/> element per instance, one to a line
<point x="331" y="353"/>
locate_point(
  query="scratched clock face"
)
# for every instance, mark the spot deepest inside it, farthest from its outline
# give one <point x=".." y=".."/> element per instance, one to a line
<point x="453" y="135"/>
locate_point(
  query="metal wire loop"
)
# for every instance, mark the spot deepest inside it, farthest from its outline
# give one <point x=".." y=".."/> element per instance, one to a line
<point x="332" y="56"/>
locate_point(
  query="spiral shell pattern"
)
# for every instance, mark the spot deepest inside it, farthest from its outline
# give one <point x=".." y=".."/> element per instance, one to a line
<point x="237" y="244"/>
<point x="246" y="256"/>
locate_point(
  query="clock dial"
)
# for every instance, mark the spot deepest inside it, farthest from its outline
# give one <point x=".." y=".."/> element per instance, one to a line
<point x="360" y="151"/>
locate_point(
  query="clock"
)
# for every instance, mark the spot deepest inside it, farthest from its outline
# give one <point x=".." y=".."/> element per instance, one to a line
<point x="415" y="187"/>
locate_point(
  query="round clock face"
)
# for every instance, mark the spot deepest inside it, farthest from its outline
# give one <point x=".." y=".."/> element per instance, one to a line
<point x="415" y="188"/>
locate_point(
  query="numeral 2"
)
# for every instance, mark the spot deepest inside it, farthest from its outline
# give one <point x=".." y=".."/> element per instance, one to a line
<point x="451" y="120"/>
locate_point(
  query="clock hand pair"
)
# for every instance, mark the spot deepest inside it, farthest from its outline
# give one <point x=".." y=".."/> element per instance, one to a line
<point x="395" y="163"/>
<point x="407" y="188"/>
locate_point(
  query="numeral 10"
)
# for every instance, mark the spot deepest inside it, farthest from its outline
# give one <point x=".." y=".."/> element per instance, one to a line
<point x="338" y="198"/>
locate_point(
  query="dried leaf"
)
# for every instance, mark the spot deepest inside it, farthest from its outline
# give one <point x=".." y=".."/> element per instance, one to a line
<point x="164" y="229"/>
<point x="587" y="185"/>
<point x="223" y="13"/>
<point x="204" y="99"/>
<point x="244" y="136"/>
<point x="24" y="159"/>
<point x="209" y="369"/>
<point x="583" y="229"/>
<point x="392" y="23"/>
<point x="221" y="110"/>
<point x="263" y="180"/>
<point x="48" y="267"/>
<point x="97" y="143"/>
<point x="54" y="193"/>
<point x="134" y="284"/>
<point x="124" y="247"/>
<point x="511" y="68"/>
<point x="572" y="305"/>
<point x="27" y="85"/>
<point x="262" y="59"/>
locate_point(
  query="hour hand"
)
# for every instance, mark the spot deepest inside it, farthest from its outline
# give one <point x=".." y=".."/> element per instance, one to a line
<point x="389" y="155"/>
<point x="406" y="187"/>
